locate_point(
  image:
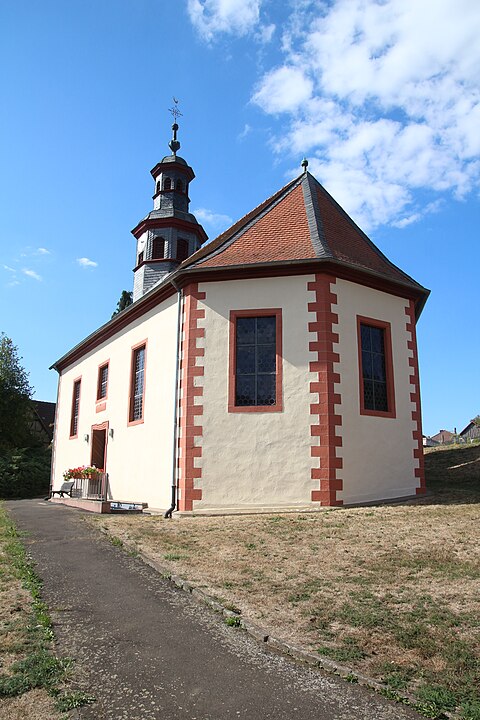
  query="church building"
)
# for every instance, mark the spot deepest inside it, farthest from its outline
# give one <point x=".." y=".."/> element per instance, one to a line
<point x="272" y="368"/>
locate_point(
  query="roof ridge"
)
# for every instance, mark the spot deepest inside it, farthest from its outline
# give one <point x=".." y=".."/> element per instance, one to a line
<point x="314" y="218"/>
<point x="240" y="226"/>
<point x="363" y="235"/>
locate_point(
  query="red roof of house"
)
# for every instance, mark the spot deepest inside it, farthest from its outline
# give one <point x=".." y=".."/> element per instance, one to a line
<point x="300" y="222"/>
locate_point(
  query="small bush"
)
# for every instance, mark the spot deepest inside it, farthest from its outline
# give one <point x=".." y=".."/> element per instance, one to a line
<point x="25" y="472"/>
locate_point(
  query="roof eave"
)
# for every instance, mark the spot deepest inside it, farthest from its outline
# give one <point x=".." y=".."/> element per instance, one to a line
<point x="327" y="263"/>
<point x="183" y="275"/>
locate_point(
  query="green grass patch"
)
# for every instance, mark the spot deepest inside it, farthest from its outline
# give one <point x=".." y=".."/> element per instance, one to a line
<point x="233" y="622"/>
<point x="37" y="665"/>
<point x="348" y="651"/>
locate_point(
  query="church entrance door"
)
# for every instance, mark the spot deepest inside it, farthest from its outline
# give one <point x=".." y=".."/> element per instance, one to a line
<point x="99" y="446"/>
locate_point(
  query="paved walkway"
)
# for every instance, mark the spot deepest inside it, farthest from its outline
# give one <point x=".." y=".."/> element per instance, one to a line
<point x="147" y="650"/>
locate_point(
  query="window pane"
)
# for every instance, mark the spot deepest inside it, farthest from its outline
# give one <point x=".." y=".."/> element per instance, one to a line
<point x="380" y="400"/>
<point x="266" y="389"/>
<point x="137" y="408"/>
<point x="139" y="383"/>
<point x="266" y="359"/>
<point x="376" y="335"/>
<point x="367" y="365"/>
<point x="378" y="367"/>
<point x="368" y="395"/>
<point x="245" y="390"/>
<point x="245" y="359"/>
<point x="365" y="335"/>
<point x="140" y="359"/>
<point x="266" y="327"/>
<point x="245" y="331"/>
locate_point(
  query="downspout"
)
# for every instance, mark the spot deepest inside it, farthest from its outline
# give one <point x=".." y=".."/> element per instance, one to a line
<point x="173" y="506"/>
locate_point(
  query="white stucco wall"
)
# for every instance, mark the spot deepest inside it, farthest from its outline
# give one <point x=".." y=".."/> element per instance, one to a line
<point x="377" y="452"/>
<point x="139" y="457"/>
<point x="255" y="458"/>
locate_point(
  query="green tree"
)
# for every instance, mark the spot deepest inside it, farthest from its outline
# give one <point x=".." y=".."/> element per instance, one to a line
<point x="476" y="420"/>
<point x="15" y="398"/>
<point x="126" y="299"/>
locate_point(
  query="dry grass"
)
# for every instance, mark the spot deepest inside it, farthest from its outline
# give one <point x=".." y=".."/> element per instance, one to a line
<point x="33" y="705"/>
<point x="392" y="590"/>
<point x="17" y="641"/>
<point x="33" y="680"/>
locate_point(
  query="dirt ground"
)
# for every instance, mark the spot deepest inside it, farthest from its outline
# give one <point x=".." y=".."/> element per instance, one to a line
<point x="391" y="590"/>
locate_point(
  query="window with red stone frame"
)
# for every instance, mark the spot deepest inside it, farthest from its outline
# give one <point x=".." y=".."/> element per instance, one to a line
<point x="102" y="382"/>
<point x="377" y="389"/>
<point x="255" y="361"/>
<point x="75" y="408"/>
<point x="137" y="384"/>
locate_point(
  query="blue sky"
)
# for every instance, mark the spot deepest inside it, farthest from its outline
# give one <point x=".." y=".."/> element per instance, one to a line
<point x="382" y="97"/>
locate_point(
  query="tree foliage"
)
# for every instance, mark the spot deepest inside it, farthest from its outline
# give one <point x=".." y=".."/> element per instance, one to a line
<point x="25" y="472"/>
<point x="15" y="398"/>
<point x="126" y="299"/>
<point x="476" y="420"/>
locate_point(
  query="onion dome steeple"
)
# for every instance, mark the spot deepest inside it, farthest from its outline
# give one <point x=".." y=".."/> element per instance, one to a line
<point x="170" y="233"/>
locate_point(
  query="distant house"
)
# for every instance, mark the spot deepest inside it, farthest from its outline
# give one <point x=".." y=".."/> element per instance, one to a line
<point x="43" y="420"/>
<point x="471" y="432"/>
<point x="429" y="442"/>
<point x="444" y="437"/>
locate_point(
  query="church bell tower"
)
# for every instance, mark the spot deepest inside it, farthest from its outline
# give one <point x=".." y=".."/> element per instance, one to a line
<point x="169" y="233"/>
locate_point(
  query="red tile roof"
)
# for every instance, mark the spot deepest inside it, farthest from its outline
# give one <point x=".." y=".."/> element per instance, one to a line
<point x="300" y="222"/>
<point x="280" y="233"/>
<point x="348" y="243"/>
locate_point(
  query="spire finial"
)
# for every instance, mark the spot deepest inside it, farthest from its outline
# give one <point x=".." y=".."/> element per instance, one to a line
<point x="304" y="164"/>
<point x="174" y="144"/>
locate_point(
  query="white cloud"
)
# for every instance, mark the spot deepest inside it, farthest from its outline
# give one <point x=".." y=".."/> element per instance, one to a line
<point x="235" y="17"/>
<point x="410" y="219"/>
<point x="265" y="33"/>
<point x="31" y="273"/>
<point x="283" y="90"/>
<point x="216" y="221"/>
<point x="383" y="96"/>
<point x="10" y="269"/>
<point x="246" y="131"/>
<point x="85" y="262"/>
<point x="43" y="251"/>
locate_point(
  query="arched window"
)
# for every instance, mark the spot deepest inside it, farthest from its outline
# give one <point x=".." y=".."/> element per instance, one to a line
<point x="167" y="184"/>
<point x="182" y="249"/>
<point x="158" y="248"/>
<point x="157" y="186"/>
<point x="179" y="186"/>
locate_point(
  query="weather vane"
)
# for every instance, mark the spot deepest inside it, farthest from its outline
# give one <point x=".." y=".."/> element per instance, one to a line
<point x="174" y="144"/>
<point x="175" y="111"/>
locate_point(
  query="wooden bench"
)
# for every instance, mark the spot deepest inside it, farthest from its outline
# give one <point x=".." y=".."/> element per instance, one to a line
<point x="66" y="489"/>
